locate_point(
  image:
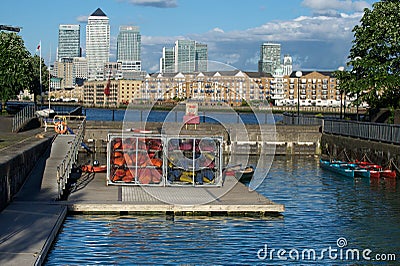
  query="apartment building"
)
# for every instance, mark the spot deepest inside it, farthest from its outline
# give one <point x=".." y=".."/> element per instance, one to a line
<point x="121" y="92"/>
<point x="220" y="87"/>
<point x="213" y="88"/>
<point x="313" y="88"/>
<point x="129" y="91"/>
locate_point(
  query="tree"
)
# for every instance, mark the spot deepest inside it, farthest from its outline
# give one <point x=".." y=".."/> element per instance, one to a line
<point x="374" y="59"/>
<point x="15" y="66"/>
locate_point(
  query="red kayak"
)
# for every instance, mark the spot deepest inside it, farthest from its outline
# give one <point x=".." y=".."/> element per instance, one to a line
<point x="376" y="170"/>
<point x="94" y="169"/>
<point x="388" y="173"/>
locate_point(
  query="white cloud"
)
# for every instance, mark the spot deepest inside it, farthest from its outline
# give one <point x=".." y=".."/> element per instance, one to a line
<point x="314" y="42"/>
<point x="218" y="30"/>
<point x="155" y="3"/>
<point x="82" y="19"/>
<point x="333" y="7"/>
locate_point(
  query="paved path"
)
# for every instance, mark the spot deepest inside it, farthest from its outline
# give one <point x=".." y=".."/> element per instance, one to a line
<point x="31" y="221"/>
<point x="8" y="138"/>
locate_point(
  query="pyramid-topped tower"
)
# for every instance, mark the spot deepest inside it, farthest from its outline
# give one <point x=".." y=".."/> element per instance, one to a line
<point x="97" y="44"/>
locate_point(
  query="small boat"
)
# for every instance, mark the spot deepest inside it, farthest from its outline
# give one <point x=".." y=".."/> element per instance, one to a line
<point x="344" y="168"/>
<point x="376" y="170"/>
<point x="388" y="173"/>
<point x="337" y="167"/>
<point x="94" y="169"/>
<point x="245" y="175"/>
<point x="45" y="113"/>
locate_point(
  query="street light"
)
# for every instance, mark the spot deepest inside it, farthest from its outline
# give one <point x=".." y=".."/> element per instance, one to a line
<point x="358" y="77"/>
<point x="341" y="68"/>
<point x="298" y="75"/>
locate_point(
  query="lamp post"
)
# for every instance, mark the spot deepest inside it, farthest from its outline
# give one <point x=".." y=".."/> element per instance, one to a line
<point x="358" y="77"/>
<point x="298" y="75"/>
<point x="341" y="68"/>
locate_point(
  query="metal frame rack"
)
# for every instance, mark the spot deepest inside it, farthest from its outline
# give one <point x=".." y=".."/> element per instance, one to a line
<point x="154" y="160"/>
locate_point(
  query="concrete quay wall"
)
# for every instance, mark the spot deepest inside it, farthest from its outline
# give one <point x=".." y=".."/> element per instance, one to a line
<point x="344" y="148"/>
<point x="239" y="139"/>
<point x="16" y="163"/>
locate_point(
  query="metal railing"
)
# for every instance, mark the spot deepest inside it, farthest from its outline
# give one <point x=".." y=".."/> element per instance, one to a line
<point x="364" y="130"/>
<point x="23" y="116"/>
<point x="294" y="119"/>
<point x="65" y="167"/>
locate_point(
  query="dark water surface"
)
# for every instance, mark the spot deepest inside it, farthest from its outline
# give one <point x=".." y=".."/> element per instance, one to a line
<point x="335" y="216"/>
<point x="137" y="115"/>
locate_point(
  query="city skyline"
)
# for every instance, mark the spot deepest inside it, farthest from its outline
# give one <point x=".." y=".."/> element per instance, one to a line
<point x="316" y="33"/>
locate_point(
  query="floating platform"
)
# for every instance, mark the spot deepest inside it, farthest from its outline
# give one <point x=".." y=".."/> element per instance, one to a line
<point x="233" y="198"/>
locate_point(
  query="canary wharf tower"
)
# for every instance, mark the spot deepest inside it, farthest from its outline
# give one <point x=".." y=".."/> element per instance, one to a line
<point x="97" y="44"/>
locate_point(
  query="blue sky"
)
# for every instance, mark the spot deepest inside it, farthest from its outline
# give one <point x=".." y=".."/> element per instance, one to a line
<point x="316" y="33"/>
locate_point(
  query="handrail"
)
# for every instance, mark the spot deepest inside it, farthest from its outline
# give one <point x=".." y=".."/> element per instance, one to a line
<point x="294" y="119"/>
<point x="20" y="118"/>
<point x="388" y="133"/>
<point x="65" y="167"/>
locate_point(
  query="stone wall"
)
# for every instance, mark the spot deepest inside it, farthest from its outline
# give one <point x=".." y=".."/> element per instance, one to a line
<point x="16" y="163"/>
<point x="344" y="148"/>
<point x="287" y="139"/>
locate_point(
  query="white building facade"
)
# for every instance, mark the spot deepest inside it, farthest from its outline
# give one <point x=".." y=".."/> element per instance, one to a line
<point x="97" y="44"/>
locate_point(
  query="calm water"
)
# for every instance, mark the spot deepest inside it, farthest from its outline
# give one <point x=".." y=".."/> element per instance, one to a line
<point x="98" y="114"/>
<point x="321" y="207"/>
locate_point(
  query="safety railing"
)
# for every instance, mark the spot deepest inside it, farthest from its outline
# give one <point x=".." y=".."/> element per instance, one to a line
<point x="294" y="119"/>
<point x="364" y="130"/>
<point x="23" y="116"/>
<point x="65" y="167"/>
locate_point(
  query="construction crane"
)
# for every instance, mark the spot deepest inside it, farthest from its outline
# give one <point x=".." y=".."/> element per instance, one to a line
<point x="10" y="28"/>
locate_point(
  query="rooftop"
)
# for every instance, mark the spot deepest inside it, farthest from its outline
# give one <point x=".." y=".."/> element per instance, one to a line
<point x="98" y="13"/>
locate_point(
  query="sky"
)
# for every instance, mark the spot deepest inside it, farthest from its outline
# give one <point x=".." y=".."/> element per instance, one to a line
<point x="316" y="33"/>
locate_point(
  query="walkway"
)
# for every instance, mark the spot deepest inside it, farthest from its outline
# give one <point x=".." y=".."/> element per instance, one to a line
<point x="32" y="220"/>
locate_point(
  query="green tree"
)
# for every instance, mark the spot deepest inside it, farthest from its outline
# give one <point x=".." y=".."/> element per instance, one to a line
<point x="18" y="69"/>
<point x="374" y="59"/>
<point x="15" y="66"/>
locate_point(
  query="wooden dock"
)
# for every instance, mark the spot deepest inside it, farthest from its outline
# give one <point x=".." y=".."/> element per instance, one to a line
<point x="232" y="198"/>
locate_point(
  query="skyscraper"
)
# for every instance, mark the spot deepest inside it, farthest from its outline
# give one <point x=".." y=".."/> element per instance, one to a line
<point x="186" y="56"/>
<point x="68" y="41"/>
<point x="201" y="57"/>
<point x="128" y="48"/>
<point x="167" y="61"/>
<point x="270" y="58"/>
<point x="97" y="44"/>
